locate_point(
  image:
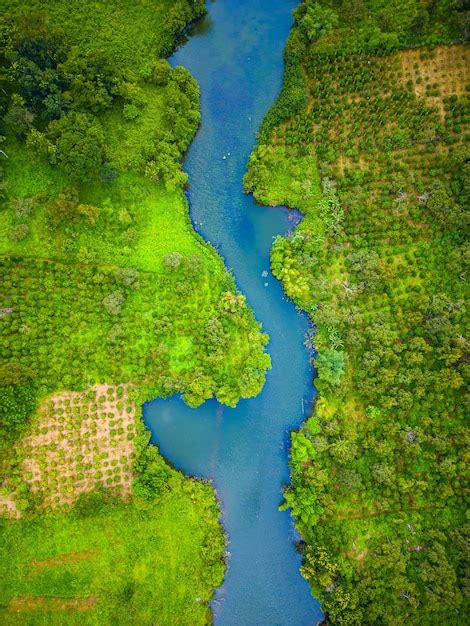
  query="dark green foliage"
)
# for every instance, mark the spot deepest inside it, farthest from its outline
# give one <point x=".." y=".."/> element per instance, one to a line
<point x="330" y="367"/>
<point x="94" y="503"/>
<point x="293" y="97"/>
<point x="153" y="474"/>
<point x="17" y="403"/>
<point x="56" y="93"/>
<point x="92" y="81"/>
<point x="314" y="20"/>
<point x="161" y="73"/>
<point x="79" y="143"/>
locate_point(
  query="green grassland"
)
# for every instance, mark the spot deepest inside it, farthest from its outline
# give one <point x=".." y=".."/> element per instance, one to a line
<point x="147" y="563"/>
<point x="132" y="33"/>
<point x="106" y="285"/>
<point x="373" y="126"/>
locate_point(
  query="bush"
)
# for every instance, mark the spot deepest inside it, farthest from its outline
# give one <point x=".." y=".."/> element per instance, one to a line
<point x="18" y="232"/>
<point x="17" y="404"/>
<point x="79" y="140"/>
<point x="113" y="303"/>
<point x="152" y="474"/>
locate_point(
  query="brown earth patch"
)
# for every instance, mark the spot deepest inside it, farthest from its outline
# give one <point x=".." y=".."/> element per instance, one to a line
<point x="81" y="441"/>
<point x="63" y="559"/>
<point x="447" y="67"/>
<point x="357" y="555"/>
<point x="8" y="507"/>
<point x="21" y="604"/>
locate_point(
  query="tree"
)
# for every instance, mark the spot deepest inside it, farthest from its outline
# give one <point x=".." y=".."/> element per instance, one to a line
<point x="172" y="261"/>
<point x="214" y="335"/>
<point x="67" y="208"/>
<point x="79" y="139"/>
<point x="113" y="303"/>
<point x="161" y="72"/>
<point x="152" y="474"/>
<point x="19" y="118"/>
<point x="18" y="232"/>
<point x="316" y="21"/>
<point x="92" y="79"/>
<point x="128" y="277"/>
<point x="330" y="366"/>
<point x="17" y="403"/>
<point x="439" y="203"/>
<point x="164" y="166"/>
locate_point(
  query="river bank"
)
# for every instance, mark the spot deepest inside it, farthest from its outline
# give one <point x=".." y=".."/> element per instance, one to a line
<point x="235" y="54"/>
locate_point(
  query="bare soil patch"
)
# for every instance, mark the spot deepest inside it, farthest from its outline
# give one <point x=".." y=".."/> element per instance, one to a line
<point x="8" y="507"/>
<point x="21" y="604"/>
<point x="64" y="559"/>
<point x="447" y="69"/>
<point x="81" y="441"/>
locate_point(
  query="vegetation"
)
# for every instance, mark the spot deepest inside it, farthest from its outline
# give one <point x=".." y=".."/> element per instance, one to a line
<point x="369" y="138"/>
<point x="143" y="562"/>
<point x="99" y="517"/>
<point x="108" y="298"/>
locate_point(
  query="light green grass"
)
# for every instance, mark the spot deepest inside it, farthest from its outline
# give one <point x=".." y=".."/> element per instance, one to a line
<point x="130" y="31"/>
<point x="151" y="562"/>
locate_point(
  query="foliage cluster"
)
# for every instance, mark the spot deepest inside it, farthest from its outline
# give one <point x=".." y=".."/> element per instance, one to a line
<point x="379" y="262"/>
<point x="57" y="98"/>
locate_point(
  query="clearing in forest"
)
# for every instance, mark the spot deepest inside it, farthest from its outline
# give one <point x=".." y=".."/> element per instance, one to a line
<point x="78" y="442"/>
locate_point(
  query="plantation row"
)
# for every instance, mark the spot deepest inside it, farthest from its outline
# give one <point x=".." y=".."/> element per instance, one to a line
<point x="68" y="326"/>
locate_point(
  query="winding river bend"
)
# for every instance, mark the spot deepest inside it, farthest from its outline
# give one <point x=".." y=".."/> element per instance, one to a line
<point x="235" y="54"/>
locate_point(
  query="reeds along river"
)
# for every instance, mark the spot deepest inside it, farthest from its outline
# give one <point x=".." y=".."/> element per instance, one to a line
<point x="236" y="56"/>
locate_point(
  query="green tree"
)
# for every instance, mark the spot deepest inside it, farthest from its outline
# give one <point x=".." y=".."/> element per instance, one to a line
<point x="79" y="139"/>
<point x="330" y="366"/>
<point x="316" y="20"/>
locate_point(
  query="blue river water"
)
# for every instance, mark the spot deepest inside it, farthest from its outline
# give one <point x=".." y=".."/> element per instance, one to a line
<point x="235" y="54"/>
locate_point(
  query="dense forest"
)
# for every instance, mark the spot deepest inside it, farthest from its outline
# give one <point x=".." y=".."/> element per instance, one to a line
<point x="108" y="299"/>
<point x="369" y="139"/>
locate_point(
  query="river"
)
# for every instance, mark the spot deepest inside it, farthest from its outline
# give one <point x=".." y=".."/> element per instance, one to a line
<point x="235" y="54"/>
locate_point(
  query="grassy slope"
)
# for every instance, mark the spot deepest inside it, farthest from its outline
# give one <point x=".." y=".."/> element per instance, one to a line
<point x="160" y="216"/>
<point x="142" y="563"/>
<point x="378" y="261"/>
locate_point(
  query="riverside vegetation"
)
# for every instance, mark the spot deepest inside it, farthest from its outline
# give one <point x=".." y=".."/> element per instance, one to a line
<point x="369" y="138"/>
<point x="108" y="298"/>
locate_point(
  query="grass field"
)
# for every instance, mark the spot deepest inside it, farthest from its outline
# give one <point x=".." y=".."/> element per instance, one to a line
<point x="123" y="564"/>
